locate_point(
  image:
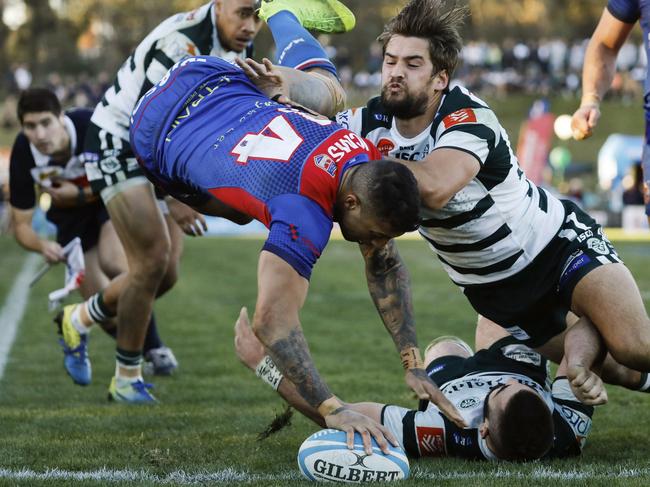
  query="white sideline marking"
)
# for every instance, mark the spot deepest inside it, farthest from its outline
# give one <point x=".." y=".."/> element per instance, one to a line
<point x="14" y="308"/>
<point x="181" y="477"/>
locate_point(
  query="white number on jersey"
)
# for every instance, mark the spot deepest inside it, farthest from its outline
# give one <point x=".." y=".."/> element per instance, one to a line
<point x="276" y="142"/>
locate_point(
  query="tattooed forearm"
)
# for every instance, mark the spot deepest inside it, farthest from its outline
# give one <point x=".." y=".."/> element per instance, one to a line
<point x="389" y="284"/>
<point x="291" y="355"/>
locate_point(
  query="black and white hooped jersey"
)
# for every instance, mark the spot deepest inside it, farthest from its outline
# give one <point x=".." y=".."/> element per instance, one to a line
<point x="184" y="34"/>
<point x="497" y="224"/>
<point x="430" y="433"/>
<point x="29" y="167"/>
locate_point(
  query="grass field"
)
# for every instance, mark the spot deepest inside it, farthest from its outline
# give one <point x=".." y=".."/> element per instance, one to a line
<point x="204" y="431"/>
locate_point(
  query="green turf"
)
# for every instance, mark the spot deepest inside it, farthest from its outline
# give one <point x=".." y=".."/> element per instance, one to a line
<point x="213" y="409"/>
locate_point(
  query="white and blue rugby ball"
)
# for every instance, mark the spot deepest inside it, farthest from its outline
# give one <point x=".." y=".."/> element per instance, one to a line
<point x="325" y="456"/>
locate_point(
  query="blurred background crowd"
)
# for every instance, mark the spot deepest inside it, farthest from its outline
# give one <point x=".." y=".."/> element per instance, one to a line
<point x="516" y="52"/>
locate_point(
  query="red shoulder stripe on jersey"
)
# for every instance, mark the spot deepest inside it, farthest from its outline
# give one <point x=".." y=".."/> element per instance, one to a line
<point x="322" y="170"/>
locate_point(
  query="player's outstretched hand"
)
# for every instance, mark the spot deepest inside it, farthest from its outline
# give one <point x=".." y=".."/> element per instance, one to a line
<point x="263" y="75"/>
<point x="250" y="350"/>
<point x="586" y="385"/>
<point x="347" y="420"/>
<point x="584" y="121"/>
<point x="191" y="222"/>
<point x="425" y="388"/>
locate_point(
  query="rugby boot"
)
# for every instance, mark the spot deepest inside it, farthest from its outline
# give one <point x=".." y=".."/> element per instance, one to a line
<point x="159" y="361"/>
<point x="75" y="348"/>
<point x="135" y="392"/>
<point x="329" y="16"/>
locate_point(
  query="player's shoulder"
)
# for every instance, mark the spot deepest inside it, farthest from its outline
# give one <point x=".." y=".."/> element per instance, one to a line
<point x="627" y="11"/>
<point x="460" y="106"/>
<point x="21" y="148"/>
<point x="364" y="120"/>
<point x="80" y="117"/>
<point x="191" y="33"/>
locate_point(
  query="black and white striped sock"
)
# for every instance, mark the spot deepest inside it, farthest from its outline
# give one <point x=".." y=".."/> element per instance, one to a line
<point x="97" y="310"/>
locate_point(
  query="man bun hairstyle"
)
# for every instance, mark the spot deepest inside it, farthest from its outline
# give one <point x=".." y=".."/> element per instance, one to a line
<point x="437" y="21"/>
<point x="392" y="193"/>
<point x="36" y="100"/>
<point x="524" y="429"/>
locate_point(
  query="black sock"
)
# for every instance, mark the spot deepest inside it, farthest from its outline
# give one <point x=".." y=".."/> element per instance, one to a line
<point x="127" y="358"/>
<point x="644" y="383"/>
<point x="152" y="340"/>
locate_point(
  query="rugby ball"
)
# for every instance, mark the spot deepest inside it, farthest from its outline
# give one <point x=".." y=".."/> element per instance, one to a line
<point x="325" y="456"/>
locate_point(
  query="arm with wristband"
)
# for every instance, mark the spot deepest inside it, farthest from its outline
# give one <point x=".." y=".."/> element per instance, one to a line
<point x="389" y="284"/>
<point x="598" y="71"/>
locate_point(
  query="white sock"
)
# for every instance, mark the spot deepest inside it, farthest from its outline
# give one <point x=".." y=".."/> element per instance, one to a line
<point x="124" y="380"/>
<point x="76" y="321"/>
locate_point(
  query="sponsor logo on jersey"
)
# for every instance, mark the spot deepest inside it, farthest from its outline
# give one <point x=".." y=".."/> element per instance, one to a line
<point x="465" y="115"/>
<point x="518" y="333"/>
<point x="380" y="117"/>
<point x="385" y="146"/>
<point x="431" y="441"/>
<point x="468" y="403"/>
<point x="343" y="145"/>
<point x="325" y="163"/>
<point x="577" y="260"/>
<point x="522" y="353"/>
<point x="598" y="246"/>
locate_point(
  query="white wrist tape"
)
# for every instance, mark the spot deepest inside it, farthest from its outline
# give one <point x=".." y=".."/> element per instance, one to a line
<point x="268" y="372"/>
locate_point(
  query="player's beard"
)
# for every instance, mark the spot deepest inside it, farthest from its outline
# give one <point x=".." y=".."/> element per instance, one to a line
<point x="406" y="106"/>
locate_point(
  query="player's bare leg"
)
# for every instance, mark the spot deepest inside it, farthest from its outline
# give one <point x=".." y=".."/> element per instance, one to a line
<point x="610" y="298"/>
<point x="147" y="248"/>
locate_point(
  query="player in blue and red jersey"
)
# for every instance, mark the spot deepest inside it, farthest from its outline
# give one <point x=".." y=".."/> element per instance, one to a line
<point x="614" y="27"/>
<point x="209" y="137"/>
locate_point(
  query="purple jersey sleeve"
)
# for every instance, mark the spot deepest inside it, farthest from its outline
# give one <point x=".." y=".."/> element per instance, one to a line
<point x="627" y="11"/>
<point x="299" y="231"/>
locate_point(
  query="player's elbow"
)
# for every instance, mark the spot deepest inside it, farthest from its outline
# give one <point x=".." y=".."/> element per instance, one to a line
<point x="433" y="197"/>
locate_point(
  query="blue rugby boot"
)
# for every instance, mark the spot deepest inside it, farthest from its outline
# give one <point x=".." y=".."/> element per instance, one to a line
<point x="75" y="348"/>
<point x="135" y="392"/>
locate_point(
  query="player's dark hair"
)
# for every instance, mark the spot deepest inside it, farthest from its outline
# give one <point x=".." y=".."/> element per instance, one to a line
<point x="437" y="21"/>
<point x="524" y="430"/>
<point x="37" y="100"/>
<point x="391" y="192"/>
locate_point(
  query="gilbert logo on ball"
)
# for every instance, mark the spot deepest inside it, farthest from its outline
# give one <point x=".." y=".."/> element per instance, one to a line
<point x="325" y="456"/>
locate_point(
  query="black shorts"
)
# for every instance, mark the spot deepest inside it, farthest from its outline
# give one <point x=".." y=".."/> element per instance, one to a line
<point x="86" y="223"/>
<point x="532" y="305"/>
<point x="108" y="159"/>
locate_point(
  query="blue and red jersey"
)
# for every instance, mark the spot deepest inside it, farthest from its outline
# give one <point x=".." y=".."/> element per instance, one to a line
<point x="631" y="11"/>
<point x="205" y="128"/>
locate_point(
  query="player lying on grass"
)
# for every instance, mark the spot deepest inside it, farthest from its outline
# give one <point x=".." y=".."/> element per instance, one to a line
<point x="503" y="392"/>
<point x="522" y="257"/>
<point x="46" y="158"/>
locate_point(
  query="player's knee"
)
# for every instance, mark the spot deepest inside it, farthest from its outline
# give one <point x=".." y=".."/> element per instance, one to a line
<point x="170" y="277"/>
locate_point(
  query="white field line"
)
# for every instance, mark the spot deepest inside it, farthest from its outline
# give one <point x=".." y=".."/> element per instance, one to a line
<point x="229" y="475"/>
<point x="14" y="308"/>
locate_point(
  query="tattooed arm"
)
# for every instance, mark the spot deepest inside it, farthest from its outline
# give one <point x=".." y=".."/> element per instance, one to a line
<point x="281" y="295"/>
<point x="389" y="284"/>
<point x="316" y="89"/>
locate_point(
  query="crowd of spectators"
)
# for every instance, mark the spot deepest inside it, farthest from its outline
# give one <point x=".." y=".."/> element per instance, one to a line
<point x="540" y="67"/>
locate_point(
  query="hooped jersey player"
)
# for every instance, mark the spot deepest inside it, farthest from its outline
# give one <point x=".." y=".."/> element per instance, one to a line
<point x="181" y="35"/>
<point x="206" y="129"/>
<point x="496" y="225"/>
<point x="466" y="383"/>
<point x="29" y="168"/>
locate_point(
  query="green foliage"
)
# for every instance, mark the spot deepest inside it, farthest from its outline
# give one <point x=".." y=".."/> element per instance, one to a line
<point x="212" y="411"/>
